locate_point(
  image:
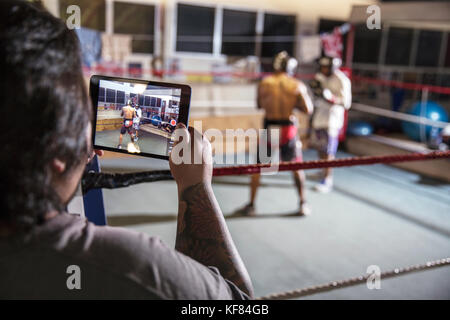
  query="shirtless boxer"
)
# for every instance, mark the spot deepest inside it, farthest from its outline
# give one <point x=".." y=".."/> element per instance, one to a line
<point x="278" y="95"/>
<point x="128" y="113"/>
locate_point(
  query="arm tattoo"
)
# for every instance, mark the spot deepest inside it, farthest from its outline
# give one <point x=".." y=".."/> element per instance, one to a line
<point x="202" y="234"/>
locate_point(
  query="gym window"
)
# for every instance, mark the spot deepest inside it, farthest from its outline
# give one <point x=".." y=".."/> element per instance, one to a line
<point x="137" y="20"/>
<point x="428" y="48"/>
<point x="238" y="33"/>
<point x="328" y="25"/>
<point x="140" y="99"/>
<point x="399" y="46"/>
<point x="147" y="101"/>
<point x="279" y="34"/>
<point x="110" y="96"/>
<point x="195" y="28"/>
<point x="120" y="97"/>
<point x="101" y="94"/>
<point x="367" y="44"/>
<point x="447" y="52"/>
<point x="92" y="12"/>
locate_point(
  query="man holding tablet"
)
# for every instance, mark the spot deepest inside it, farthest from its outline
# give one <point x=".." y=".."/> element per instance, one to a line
<point x="39" y="242"/>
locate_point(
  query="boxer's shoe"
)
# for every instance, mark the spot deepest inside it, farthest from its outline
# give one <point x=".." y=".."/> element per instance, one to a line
<point x="247" y="210"/>
<point x="325" y="186"/>
<point x="305" y="209"/>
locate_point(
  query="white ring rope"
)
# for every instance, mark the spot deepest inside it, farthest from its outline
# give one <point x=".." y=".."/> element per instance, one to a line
<point x="398" y="115"/>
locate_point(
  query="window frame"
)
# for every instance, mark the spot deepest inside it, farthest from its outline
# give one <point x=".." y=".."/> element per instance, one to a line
<point x="174" y="28"/>
<point x="296" y="34"/>
<point x="157" y="50"/>
<point x="57" y="6"/>
<point x="382" y="66"/>
<point x="442" y="43"/>
<point x="217" y="33"/>
<point x="147" y="99"/>
<point x="124" y="97"/>
<point x="106" y="95"/>
<point x="257" y="16"/>
<point x="103" y="97"/>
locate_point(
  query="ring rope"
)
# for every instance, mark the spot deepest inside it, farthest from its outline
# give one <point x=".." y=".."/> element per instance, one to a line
<point x="398" y="115"/>
<point x="94" y="180"/>
<point x="318" y="164"/>
<point x="356" y="106"/>
<point x="329" y="286"/>
<point x="257" y="75"/>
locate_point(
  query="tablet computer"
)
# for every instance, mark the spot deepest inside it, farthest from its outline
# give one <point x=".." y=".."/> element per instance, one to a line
<point x="137" y="116"/>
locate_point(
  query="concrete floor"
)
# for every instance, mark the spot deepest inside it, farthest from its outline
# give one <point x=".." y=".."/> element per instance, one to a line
<point x="148" y="142"/>
<point x="376" y="215"/>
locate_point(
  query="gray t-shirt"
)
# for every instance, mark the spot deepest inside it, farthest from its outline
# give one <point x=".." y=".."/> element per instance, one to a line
<point x="114" y="263"/>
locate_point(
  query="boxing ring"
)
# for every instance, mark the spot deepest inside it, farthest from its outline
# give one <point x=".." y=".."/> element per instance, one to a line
<point x="94" y="181"/>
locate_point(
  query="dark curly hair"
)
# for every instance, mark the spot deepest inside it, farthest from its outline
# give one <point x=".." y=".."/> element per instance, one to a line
<point x="44" y="110"/>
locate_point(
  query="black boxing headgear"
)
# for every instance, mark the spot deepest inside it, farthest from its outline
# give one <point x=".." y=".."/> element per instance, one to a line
<point x="331" y="62"/>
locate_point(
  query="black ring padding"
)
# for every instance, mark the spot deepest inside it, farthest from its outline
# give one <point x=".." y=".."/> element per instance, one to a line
<point x="97" y="180"/>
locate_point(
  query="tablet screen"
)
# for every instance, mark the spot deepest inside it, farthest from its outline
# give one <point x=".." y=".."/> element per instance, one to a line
<point x="136" y="117"/>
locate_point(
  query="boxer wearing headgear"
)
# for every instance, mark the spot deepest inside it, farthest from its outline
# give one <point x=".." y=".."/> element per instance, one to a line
<point x="278" y="95"/>
<point x="137" y="121"/>
<point x="332" y="90"/>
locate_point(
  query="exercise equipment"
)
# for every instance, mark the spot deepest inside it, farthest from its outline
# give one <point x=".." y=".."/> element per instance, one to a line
<point x="360" y="128"/>
<point x="429" y="110"/>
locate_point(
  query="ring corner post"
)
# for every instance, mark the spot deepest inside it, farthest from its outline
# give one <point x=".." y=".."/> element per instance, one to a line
<point x="94" y="207"/>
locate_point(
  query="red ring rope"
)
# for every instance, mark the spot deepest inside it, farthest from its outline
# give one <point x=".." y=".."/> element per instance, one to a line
<point x="255" y="75"/>
<point x="317" y="164"/>
<point x="402" y="85"/>
<point x="120" y="180"/>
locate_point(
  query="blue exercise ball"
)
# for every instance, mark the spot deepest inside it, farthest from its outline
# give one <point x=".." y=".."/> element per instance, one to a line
<point x="359" y="128"/>
<point x="432" y="111"/>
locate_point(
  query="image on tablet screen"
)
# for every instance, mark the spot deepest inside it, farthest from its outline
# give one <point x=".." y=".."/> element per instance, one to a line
<point x="136" y="117"/>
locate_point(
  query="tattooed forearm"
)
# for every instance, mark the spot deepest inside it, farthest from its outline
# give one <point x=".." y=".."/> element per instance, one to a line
<point x="203" y="235"/>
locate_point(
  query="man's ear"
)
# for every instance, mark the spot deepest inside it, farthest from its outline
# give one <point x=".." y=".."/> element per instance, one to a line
<point x="58" y="165"/>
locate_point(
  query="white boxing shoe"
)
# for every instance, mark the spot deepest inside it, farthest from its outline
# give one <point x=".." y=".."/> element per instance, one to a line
<point x="304" y="210"/>
<point x="325" y="186"/>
